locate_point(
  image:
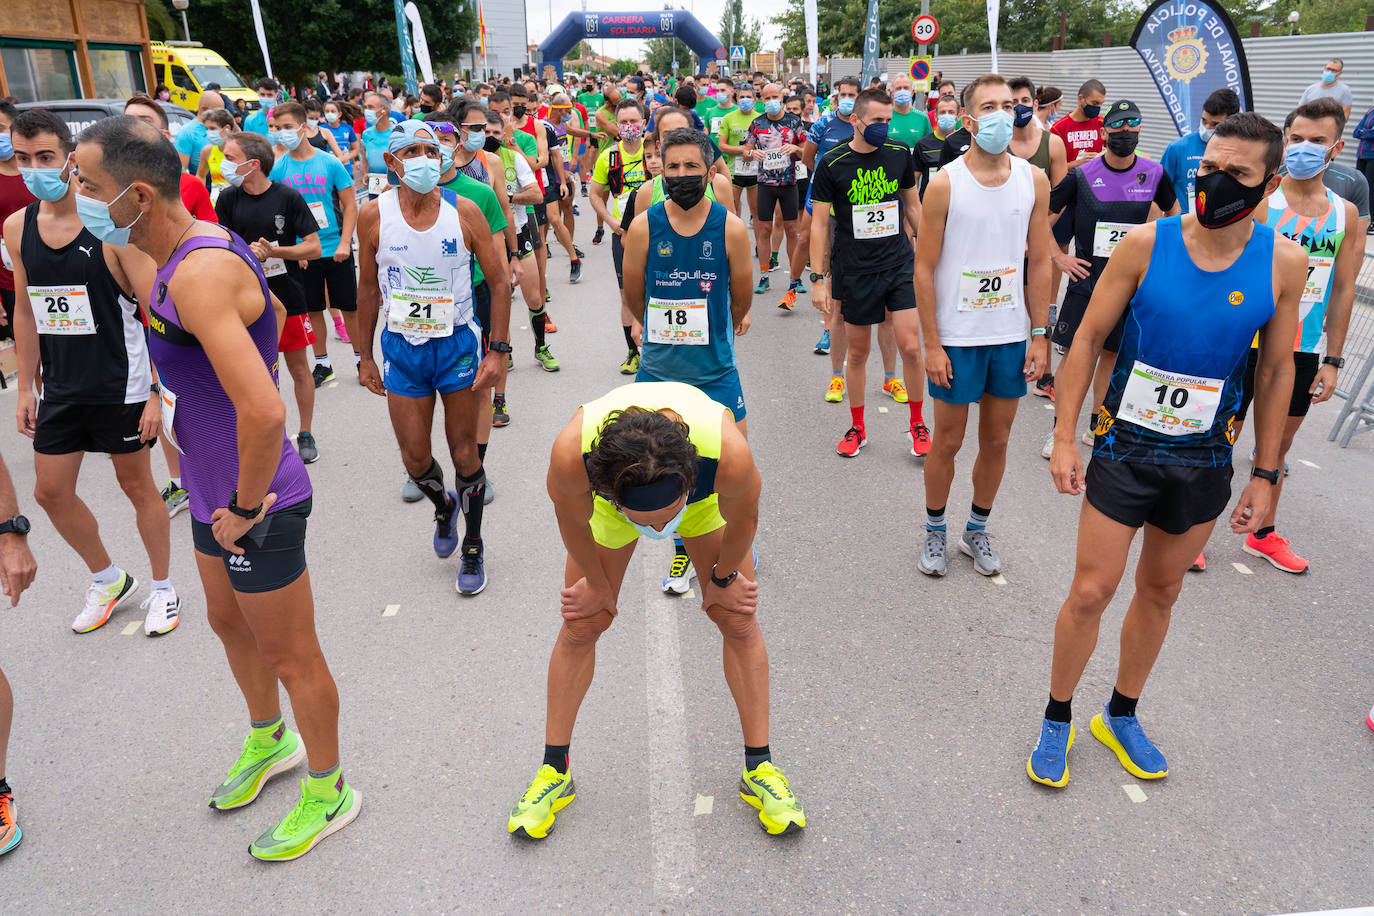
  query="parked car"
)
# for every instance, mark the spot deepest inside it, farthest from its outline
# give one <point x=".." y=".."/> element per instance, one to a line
<point x="82" y="113"/>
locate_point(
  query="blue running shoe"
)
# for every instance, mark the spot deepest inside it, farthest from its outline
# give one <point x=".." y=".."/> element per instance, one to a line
<point x="823" y="345"/>
<point x="1127" y="740"/>
<point x="472" y="575"/>
<point x="1049" y="762"/>
<point x="446" y="528"/>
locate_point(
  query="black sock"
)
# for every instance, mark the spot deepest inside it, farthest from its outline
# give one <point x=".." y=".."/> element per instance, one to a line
<point x="753" y="756"/>
<point x="431" y="483"/>
<point x="482" y="452"/>
<point x="629" y="338"/>
<point x="4" y="787"/>
<point x="539" y="322"/>
<point x="1058" y="710"/>
<point x="1264" y="532"/>
<point x="1121" y="705"/>
<point x="556" y="756"/>
<point x="979" y="510"/>
<point x="470" y="498"/>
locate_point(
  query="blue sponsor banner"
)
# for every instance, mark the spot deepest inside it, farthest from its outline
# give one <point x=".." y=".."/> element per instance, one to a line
<point x="407" y="53"/>
<point x="870" y="64"/>
<point x="1191" y="49"/>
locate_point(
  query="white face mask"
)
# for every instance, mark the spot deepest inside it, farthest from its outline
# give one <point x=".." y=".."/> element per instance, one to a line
<point x="313" y="122"/>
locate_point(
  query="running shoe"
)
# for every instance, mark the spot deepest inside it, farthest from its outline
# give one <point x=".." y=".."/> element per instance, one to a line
<point x="584" y="189"/>
<point x="789" y="299"/>
<point x="175" y="498"/>
<point x="545" y="358"/>
<point x="1369" y="719"/>
<point x="631" y="364"/>
<point x="1047" y="449"/>
<point x="547" y="298"/>
<point x="101" y="600"/>
<point x="410" y="492"/>
<point x="765" y="788"/>
<point x="835" y="392"/>
<point x="10" y="834"/>
<point x="920" y="439"/>
<point x="1200" y="564"/>
<point x="932" y="559"/>
<point x="446" y="527"/>
<point x="313" y="819"/>
<point x="533" y="814"/>
<point x="1124" y="736"/>
<point x="895" y="389"/>
<point x="322" y="374"/>
<point x="823" y="345"/>
<point x="680" y="572"/>
<point x="1044" y="387"/>
<point x="577" y="211"/>
<point x="549" y="326"/>
<point x="851" y="443"/>
<point x="472" y="574"/>
<point x="1048" y="764"/>
<point x="1252" y="461"/>
<point x="801" y="287"/>
<point x="598" y="235"/>
<point x="1277" y="550"/>
<point x="164" y="612"/>
<point x="510" y="362"/>
<point x="500" y="416"/>
<point x="341" y="332"/>
<point x="762" y="286"/>
<point x="977" y="543"/>
<point x="257" y="763"/>
<point x="548" y="252"/>
<point x="305" y="445"/>
<point x="575" y="273"/>
<point x="1087" y="439"/>
<point x="578" y="252"/>
<point x="488" y="492"/>
<point x="772" y="262"/>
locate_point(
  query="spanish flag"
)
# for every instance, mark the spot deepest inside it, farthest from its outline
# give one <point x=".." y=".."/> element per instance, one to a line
<point x="482" y="31"/>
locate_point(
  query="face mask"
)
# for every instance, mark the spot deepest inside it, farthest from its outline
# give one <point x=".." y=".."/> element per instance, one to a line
<point x="426" y="108"/>
<point x="421" y="174"/>
<point x="475" y="141"/>
<point x="875" y="134"/>
<point x="1220" y="200"/>
<point x="213" y="137"/>
<point x="947" y="122"/>
<point x="1022" y="115"/>
<point x="631" y="132"/>
<point x="684" y="190"/>
<point x="1092" y="111"/>
<point x="1328" y="77"/>
<point x="231" y="172"/>
<point x="668" y="529"/>
<point x="1123" y="142"/>
<point x="902" y="97"/>
<point x="845" y="106"/>
<point x="165" y="96"/>
<point x="1306" y="159"/>
<point x="994" y="132"/>
<point x="332" y="117"/>
<point x="6" y="148"/>
<point x="1205" y="133"/>
<point x="312" y="122"/>
<point x="482" y="101"/>
<point x="287" y="138"/>
<point x="445" y="158"/>
<point x="491" y="145"/>
<point x="95" y="216"/>
<point x="746" y="105"/>
<point x="772" y="107"/>
<point x="518" y="112"/>
<point x="266" y="101"/>
<point x="370" y="116"/>
<point x="46" y="184"/>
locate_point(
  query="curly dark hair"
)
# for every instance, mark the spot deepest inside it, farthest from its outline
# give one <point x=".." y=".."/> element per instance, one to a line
<point x="635" y="447"/>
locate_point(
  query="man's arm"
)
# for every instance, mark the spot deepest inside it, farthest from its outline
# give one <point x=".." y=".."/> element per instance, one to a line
<point x="348" y="221"/>
<point x="636" y="243"/>
<point x="572" y="505"/>
<point x="809" y="151"/>
<point x="738" y="485"/>
<point x="599" y="196"/>
<point x="930" y="238"/>
<point x="25" y="330"/>
<point x="369" y="293"/>
<point x="306" y="249"/>
<point x="820" y="250"/>
<point x="911" y="209"/>
<point x="476" y="228"/>
<point x="541" y="143"/>
<point x="1059" y="160"/>
<point x="741" y="269"/>
<point x="17" y="566"/>
<point x="1338" y="308"/>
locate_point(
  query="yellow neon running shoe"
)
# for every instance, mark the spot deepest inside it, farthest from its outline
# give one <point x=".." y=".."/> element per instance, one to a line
<point x="549" y="793"/>
<point x="835" y="393"/>
<point x="766" y="789"/>
<point x="895" y="389"/>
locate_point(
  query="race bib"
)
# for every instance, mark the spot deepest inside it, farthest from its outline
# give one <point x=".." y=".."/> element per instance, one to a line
<point x="169" y="416"/>
<point x="5" y="257"/>
<point x="214" y="193"/>
<point x="274" y="267"/>
<point x="775" y="160"/>
<point x="376" y="183"/>
<point x="1106" y="236"/>
<point x="801" y="171"/>
<point x="1318" y="278"/>
<point x="988" y="290"/>
<point x="875" y="221"/>
<point x="745" y="166"/>
<point x="677" y="322"/>
<point x="421" y="312"/>
<point x="1169" y="403"/>
<point x="715" y="126"/>
<point x="321" y="219"/>
<point x="62" y="310"/>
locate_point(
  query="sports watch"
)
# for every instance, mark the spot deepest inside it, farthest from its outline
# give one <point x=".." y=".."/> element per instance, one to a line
<point x="1264" y="474"/>
<point x="1337" y="361"/>
<point x="723" y="583"/>
<point x="816" y="278"/>
<point x="16" y="525"/>
<point x="235" y="508"/>
<point x="500" y="346"/>
<point x="1041" y="332"/>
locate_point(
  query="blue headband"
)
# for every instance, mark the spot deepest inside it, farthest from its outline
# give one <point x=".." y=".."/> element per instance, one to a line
<point x="651" y="497"/>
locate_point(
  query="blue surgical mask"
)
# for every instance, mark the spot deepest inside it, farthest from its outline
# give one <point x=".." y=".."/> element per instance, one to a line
<point x="6" y="148"/>
<point x="1205" y="133"/>
<point x="421" y="174"/>
<point x="46" y="184"/>
<point x="287" y="138"/>
<point x="231" y="173"/>
<point x="1328" y="77"/>
<point x="95" y="216"/>
<point x="370" y="116"/>
<point x="947" y="122"/>
<point x="475" y="141"/>
<point x="1306" y="159"/>
<point x="845" y="106"/>
<point x="876" y="134"/>
<point x="746" y="105"/>
<point x="902" y="97"/>
<point x="668" y="530"/>
<point x="213" y="137"/>
<point x="482" y="100"/>
<point x="772" y="106"/>
<point x="445" y="159"/>
<point x="994" y="132"/>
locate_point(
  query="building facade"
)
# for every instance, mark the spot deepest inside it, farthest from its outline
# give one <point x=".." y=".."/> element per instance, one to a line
<point x="68" y="49"/>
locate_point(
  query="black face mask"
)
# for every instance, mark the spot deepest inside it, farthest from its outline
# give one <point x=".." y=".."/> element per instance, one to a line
<point x="492" y="145"/>
<point x="1220" y="200"/>
<point x="1123" y="142"/>
<point x="1022" y="115"/>
<point x="518" y="112"/>
<point x="1092" y="111"/>
<point x="426" y="107"/>
<point x="684" y="190"/>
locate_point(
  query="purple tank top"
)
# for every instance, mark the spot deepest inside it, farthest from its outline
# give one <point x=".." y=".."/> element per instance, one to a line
<point x="205" y="424"/>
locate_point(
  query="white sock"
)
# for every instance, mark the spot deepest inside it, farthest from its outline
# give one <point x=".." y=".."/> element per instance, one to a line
<point x="163" y="585"/>
<point x="107" y="576"/>
<point x="323" y="361"/>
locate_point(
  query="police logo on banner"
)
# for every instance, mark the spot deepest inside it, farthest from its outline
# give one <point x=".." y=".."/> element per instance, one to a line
<point x="1185" y="56"/>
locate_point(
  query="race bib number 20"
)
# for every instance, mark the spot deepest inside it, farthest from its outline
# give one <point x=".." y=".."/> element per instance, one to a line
<point x="988" y="289"/>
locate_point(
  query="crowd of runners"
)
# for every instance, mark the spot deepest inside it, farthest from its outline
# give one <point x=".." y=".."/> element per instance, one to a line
<point x="998" y="241"/>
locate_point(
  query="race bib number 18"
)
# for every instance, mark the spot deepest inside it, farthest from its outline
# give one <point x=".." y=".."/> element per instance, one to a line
<point x="988" y="290"/>
<point x="677" y="322"/>
<point x="1169" y="403"/>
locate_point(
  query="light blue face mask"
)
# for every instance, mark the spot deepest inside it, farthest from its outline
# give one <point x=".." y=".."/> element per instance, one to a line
<point x="421" y="174"/>
<point x="1205" y="133"/>
<point x="46" y="184"/>
<point x="773" y="106"/>
<point x="370" y="116"/>
<point x="994" y="132"/>
<point x="1306" y="159"/>
<point x="287" y="138"/>
<point x="1328" y="77"/>
<point x="445" y="159"/>
<point x="95" y="216"/>
<point x="231" y="173"/>
<point x="6" y="148"/>
<point x="476" y="140"/>
<point x="902" y="97"/>
<point x="845" y="106"/>
<point x="668" y="530"/>
<point x="947" y="122"/>
<point x="213" y="137"/>
<point x="746" y="105"/>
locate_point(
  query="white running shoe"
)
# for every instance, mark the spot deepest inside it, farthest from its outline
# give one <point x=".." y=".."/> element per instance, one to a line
<point x="679" y="578"/>
<point x="101" y="600"/>
<point x="164" y="612"/>
<point x="1047" y="449"/>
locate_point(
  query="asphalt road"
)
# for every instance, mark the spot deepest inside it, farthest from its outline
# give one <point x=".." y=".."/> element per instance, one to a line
<point x="903" y="707"/>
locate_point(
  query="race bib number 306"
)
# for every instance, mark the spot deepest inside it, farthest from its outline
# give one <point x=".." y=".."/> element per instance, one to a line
<point x="988" y="289"/>
<point x="1170" y="403"/>
<point x="62" y="310"/>
<point x="677" y="322"/>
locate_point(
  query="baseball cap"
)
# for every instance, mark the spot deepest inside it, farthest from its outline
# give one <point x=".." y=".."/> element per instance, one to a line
<point x="1120" y="111"/>
<point x="408" y="133"/>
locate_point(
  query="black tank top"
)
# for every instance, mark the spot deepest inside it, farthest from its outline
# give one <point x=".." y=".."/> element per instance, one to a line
<point x="319" y="142"/>
<point x="92" y="343"/>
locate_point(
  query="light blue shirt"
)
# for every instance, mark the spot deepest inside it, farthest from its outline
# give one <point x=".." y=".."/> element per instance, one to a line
<point x="1180" y="160"/>
<point x="256" y="122"/>
<point x="374" y="145"/>
<point x="319" y="179"/>
<point x="190" y="141"/>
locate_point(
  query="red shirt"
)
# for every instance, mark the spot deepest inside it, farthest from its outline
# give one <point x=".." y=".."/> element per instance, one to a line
<point x="14" y="196"/>
<point x="1080" y="136"/>
<point x="197" y="198"/>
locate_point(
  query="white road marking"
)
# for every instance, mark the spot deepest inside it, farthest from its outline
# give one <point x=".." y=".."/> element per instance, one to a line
<point x="999" y="579"/>
<point x="1049" y="406"/>
<point x="131" y="629"/>
<point x="1134" y="793"/>
<point x="391" y="610"/>
<point x="1309" y="464"/>
<point x="690" y="593"/>
<point x="1242" y="569"/>
<point x="882" y="410"/>
<point x="703" y="805"/>
<point x="333" y="384"/>
<point x="669" y="786"/>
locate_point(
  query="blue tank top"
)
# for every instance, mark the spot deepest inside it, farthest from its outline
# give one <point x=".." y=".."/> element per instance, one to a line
<point x="689" y="335"/>
<point x="1176" y="386"/>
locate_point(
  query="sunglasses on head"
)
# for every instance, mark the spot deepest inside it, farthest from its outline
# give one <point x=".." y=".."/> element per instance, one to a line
<point x="1125" y="122"/>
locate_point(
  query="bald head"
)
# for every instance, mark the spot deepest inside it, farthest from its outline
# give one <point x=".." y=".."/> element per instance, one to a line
<point x="208" y="101"/>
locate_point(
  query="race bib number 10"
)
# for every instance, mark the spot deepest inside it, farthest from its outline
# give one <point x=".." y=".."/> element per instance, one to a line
<point x="62" y="310"/>
<point x="677" y="322"/>
<point x="1169" y="403"/>
<point x="988" y="290"/>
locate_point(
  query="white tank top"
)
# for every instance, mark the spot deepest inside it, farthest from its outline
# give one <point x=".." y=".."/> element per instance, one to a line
<point x="979" y="299"/>
<point x="425" y="276"/>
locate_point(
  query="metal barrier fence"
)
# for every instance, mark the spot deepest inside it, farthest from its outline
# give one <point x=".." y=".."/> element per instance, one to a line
<point x="1354" y="384"/>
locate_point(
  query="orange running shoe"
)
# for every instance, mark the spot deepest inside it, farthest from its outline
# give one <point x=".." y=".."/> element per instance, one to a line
<point x="920" y="440"/>
<point x="1277" y="551"/>
<point x="789" y="299"/>
<point x="851" y="443"/>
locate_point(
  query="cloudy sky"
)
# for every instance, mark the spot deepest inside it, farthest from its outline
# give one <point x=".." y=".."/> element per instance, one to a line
<point x="707" y="11"/>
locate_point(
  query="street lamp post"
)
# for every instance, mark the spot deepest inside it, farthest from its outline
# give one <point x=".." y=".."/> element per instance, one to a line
<point x="182" y="5"/>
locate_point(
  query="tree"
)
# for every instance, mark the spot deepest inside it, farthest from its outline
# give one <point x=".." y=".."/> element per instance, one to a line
<point x="623" y="67"/>
<point x="161" y="25"/>
<point x="737" y="29"/>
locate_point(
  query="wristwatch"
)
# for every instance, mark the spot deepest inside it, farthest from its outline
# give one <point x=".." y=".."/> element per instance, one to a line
<point x="239" y="511"/>
<point x="1041" y="332"/>
<point x="16" y="525"/>
<point x="512" y="254"/>
<point x="722" y="583"/>
<point x="1271" y="476"/>
<point x="155" y="388"/>
<point x="499" y="346"/>
<point x="816" y="278"/>
<point x="1337" y="361"/>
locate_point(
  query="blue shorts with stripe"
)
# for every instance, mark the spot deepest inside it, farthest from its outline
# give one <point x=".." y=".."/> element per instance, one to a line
<point x="441" y="364"/>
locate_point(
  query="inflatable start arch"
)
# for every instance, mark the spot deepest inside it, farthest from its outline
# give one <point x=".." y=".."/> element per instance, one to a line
<point x="678" y="24"/>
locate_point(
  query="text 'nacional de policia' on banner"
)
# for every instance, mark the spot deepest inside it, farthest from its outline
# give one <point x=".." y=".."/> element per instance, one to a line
<point x="1191" y="49"/>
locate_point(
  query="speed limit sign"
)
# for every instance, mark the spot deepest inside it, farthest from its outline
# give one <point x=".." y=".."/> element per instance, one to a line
<point x="924" y="29"/>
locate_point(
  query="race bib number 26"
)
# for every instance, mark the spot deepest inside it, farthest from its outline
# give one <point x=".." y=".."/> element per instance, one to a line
<point x="62" y="310"/>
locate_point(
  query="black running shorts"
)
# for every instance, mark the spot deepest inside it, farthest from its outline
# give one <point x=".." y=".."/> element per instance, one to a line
<point x="1170" y="497"/>
<point x="1071" y="316"/>
<point x="865" y="299"/>
<point x="784" y="196"/>
<point x="339" y="277"/>
<point x="273" y="550"/>
<point x="1305" y="366"/>
<point x="110" y="428"/>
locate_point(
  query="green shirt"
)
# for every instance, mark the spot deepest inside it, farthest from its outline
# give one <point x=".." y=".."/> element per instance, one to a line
<point x="485" y="199"/>
<point x="907" y="128"/>
<point x="734" y="128"/>
<point x="591" y="101"/>
<point x="604" y="142"/>
<point x="717" y="113"/>
<point x="706" y="110"/>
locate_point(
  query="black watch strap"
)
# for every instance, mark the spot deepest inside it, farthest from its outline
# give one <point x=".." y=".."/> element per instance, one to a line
<point x="17" y="524"/>
<point x="1337" y="361"/>
<point x="723" y="583"/>
<point x="1265" y="474"/>
<point x="241" y="512"/>
<point x="499" y="346"/>
<point x="816" y="278"/>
